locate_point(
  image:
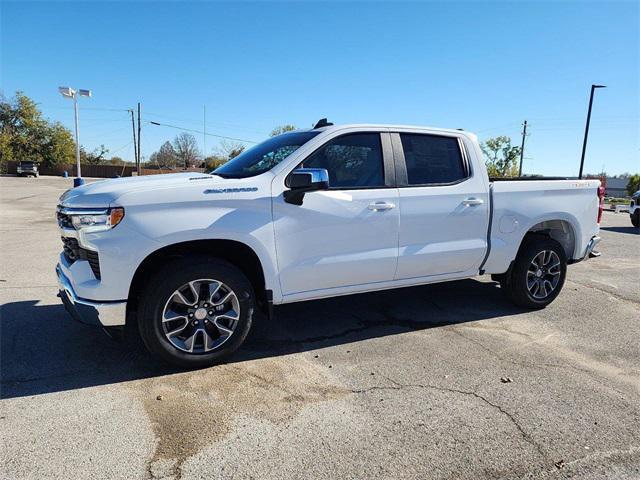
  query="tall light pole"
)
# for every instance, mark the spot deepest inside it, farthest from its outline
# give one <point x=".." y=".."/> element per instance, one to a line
<point x="69" y="92"/>
<point x="586" y="128"/>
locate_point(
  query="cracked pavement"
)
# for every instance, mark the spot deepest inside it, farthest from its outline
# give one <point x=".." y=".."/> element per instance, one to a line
<point x="444" y="381"/>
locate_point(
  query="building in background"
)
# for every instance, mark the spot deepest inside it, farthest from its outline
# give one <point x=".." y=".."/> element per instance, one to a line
<point x="616" y="187"/>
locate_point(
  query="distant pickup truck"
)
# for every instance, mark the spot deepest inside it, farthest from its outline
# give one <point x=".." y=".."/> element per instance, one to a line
<point x="27" y="168"/>
<point x="333" y="210"/>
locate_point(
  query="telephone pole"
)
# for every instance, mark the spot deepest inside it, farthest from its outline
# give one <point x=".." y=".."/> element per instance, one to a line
<point x="139" y="151"/>
<point x="135" y="145"/>
<point x="524" y="135"/>
<point x="204" y="132"/>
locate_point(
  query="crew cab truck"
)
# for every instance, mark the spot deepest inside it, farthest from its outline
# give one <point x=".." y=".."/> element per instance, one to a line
<point x="309" y="214"/>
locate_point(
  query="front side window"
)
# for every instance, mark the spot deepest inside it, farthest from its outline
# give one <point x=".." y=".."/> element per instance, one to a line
<point x="264" y="156"/>
<point x="432" y="159"/>
<point x="353" y="161"/>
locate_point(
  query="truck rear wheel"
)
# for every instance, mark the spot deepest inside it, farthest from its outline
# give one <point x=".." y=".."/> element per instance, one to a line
<point x="196" y="311"/>
<point x="635" y="218"/>
<point x="538" y="273"/>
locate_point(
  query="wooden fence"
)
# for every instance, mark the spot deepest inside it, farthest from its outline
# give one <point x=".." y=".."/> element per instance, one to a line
<point x="99" y="171"/>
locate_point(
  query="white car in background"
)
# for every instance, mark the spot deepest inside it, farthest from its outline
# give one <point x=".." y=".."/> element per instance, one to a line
<point x="333" y="210"/>
<point x="634" y="209"/>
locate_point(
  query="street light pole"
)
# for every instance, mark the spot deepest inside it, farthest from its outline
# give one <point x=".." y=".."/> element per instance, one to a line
<point x="586" y="128"/>
<point x="72" y="93"/>
<point x="75" y="111"/>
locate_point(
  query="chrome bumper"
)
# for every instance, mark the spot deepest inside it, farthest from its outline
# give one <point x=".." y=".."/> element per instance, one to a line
<point x="591" y="253"/>
<point x="106" y="314"/>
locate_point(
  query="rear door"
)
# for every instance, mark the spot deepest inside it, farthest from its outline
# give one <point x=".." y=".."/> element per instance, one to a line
<point x="347" y="235"/>
<point x="444" y="206"/>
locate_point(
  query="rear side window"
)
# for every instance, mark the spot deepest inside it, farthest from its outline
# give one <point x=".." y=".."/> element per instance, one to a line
<point x="352" y="161"/>
<point x="432" y="159"/>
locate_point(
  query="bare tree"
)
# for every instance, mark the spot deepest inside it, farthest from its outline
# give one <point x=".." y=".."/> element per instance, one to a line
<point x="230" y="149"/>
<point x="186" y="149"/>
<point x="165" y="157"/>
<point x="282" y="129"/>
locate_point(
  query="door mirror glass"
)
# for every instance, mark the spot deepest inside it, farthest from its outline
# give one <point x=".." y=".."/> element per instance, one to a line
<point x="303" y="180"/>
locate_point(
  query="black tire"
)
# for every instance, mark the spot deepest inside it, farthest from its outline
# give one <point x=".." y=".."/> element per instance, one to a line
<point x="635" y="218"/>
<point x="517" y="281"/>
<point x="161" y="288"/>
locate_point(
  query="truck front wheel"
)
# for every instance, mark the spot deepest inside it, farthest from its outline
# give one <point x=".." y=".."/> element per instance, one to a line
<point x="538" y="273"/>
<point x="635" y="218"/>
<point x="196" y="311"/>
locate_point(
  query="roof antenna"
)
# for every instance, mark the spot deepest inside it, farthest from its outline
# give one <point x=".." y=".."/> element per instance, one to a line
<point x="322" y="123"/>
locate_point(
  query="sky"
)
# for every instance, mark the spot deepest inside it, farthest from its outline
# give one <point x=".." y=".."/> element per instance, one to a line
<point x="483" y="67"/>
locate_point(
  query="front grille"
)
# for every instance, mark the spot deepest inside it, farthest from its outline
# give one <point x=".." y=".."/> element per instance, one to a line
<point x="73" y="251"/>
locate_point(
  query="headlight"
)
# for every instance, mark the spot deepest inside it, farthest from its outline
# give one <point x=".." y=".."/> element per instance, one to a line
<point x="92" y="220"/>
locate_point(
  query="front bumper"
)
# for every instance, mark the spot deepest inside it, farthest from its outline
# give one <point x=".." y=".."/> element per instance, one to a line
<point x="106" y="314"/>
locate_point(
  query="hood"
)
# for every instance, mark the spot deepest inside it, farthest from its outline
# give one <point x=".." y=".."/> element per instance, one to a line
<point x="104" y="192"/>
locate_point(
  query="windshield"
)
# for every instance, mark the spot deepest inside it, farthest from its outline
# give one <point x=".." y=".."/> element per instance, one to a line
<point x="264" y="156"/>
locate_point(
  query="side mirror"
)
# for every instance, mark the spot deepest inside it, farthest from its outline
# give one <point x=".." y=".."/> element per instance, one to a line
<point x="303" y="180"/>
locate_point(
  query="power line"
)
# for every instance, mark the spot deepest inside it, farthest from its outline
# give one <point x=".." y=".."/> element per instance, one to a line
<point x="201" y="132"/>
<point x="89" y="108"/>
<point x="230" y="126"/>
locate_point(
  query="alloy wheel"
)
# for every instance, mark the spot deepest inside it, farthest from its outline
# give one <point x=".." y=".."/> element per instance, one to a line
<point x="200" y="316"/>
<point x="543" y="274"/>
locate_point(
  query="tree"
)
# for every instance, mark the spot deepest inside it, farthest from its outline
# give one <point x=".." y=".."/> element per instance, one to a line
<point x="634" y="184"/>
<point x="186" y="150"/>
<point x="501" y="157"/>
<point x="229" y="149"/>
<point x="214" y="161"/>
<point x="26" y="135"/>
<point x="282" y="129"/>
<point x="96" y="157"/>
<point x="165" y="157"/>
<point x="58" y="147"/>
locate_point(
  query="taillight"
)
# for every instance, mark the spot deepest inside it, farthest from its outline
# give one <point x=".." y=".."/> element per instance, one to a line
<point x="600" y="202"/>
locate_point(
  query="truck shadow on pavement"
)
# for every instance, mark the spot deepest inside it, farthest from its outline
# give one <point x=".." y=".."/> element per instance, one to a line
<point x="632" y="230"/>
<point x="42" y="350"/>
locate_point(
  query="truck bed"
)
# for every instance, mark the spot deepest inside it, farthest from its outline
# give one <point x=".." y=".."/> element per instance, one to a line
<point x="569" y="207"/>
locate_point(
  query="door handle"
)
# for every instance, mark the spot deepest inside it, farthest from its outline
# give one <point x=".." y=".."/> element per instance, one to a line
<point x="468" y="202"/>
<point x="380" y="206"/>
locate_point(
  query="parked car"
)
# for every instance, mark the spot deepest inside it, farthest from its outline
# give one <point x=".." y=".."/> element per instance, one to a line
<point x="634" y="209"/>
<point x="27" y="168"/>
<point x="333" y="210"/>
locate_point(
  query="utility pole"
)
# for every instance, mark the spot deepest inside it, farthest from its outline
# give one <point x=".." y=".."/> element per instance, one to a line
<point x="135" y="145"/>
<point x="586" y="128"/>
<point x="139" y="151"/>
<point x="524" y="135"/>
<point x="204" y="132"/>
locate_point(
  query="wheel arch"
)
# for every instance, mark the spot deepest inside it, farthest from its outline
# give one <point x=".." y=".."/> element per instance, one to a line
<point x="235" y="252"/>
<point x="561" y="230"/>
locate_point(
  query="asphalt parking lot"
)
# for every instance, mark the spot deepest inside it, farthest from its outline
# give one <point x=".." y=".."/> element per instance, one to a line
<point x="439" y="381"/>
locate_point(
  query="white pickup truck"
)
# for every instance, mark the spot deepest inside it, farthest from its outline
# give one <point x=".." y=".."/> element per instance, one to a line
<point x="332" y="210"/>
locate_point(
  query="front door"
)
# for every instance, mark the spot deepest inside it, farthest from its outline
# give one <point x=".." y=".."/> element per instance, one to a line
<point x="347" y="235"/>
